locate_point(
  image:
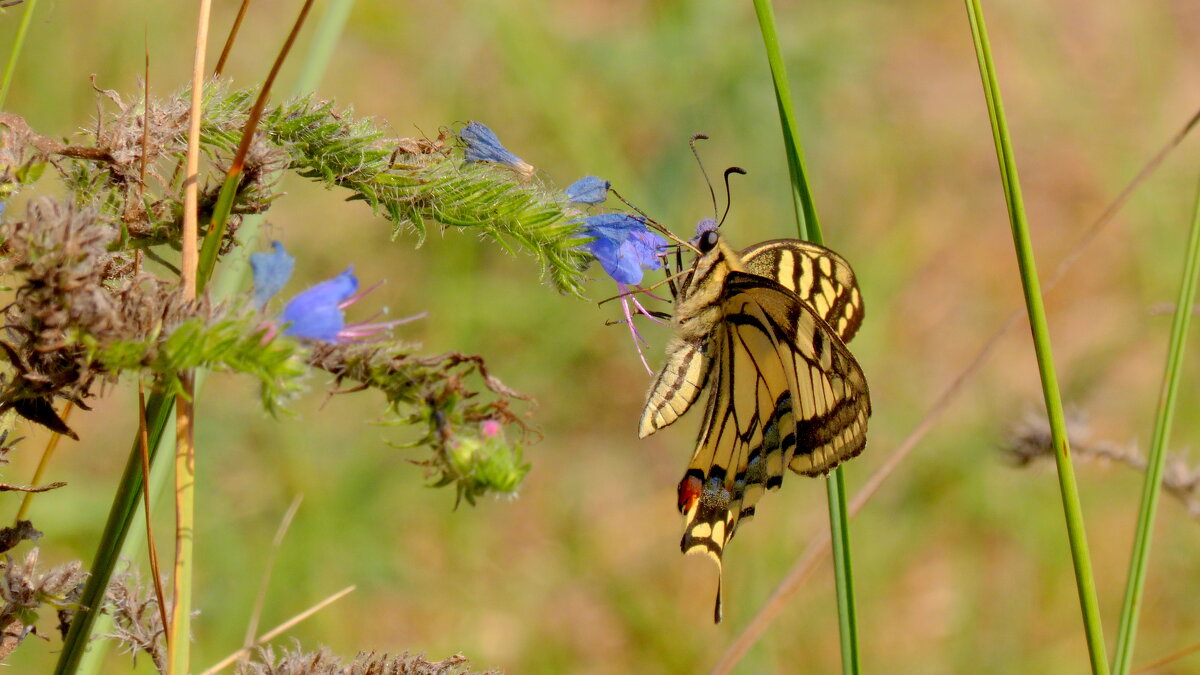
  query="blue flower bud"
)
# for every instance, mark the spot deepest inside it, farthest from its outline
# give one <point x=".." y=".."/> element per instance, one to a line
<point x="484" y="146"/>
<point x="271" y="273"/>
<point x="588" y="190"/>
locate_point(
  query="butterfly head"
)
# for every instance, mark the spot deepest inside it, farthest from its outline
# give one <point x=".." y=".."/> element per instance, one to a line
<point x="706" y="229"/>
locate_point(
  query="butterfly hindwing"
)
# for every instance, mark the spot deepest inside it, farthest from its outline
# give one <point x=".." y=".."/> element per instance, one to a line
<point x="821" y="278"/>
<point x="785" y="393"/>
<point x="677" y="385"/>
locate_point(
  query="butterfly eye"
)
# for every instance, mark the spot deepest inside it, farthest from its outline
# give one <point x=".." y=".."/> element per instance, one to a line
<point x="709" y="241"/>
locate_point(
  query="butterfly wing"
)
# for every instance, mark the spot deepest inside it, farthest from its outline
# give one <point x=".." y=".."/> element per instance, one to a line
<point x="821" y="278"/>
<point x="785" y="393"/>
<point x="677" y="385"/>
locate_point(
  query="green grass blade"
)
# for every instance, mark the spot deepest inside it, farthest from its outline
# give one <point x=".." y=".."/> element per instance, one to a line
<point x="1076" y="533"/>
<point x="839" y="529"/>
<point x="806" y="211"/>
<point x="15" y="53"/>
<point x="808" y="226"/>
<point x="120" y="516"/>
<point x="1127" y="632"/>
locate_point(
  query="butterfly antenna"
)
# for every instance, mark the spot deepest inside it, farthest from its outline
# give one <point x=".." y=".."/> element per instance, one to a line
<point x="712" y="193"/>
<point x="651" y="222"/>
<point x="729" y="197"/>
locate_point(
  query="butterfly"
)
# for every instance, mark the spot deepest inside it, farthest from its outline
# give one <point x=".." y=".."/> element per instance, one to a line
<point x="764" y="330"/>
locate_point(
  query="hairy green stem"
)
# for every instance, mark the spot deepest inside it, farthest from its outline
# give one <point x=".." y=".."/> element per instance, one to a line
<point x="1076" y="533"/>
<point x="809" y="228"/>
<point x="1134" y="585"/>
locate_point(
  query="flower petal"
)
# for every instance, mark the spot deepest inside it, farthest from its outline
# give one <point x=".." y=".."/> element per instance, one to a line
<point x="623" y="245"/>
<point x="618" y="260"/>
<point x="271" y="273"/>
<point x="484" y="146"/>
<point x="315" y="313"/>
<point x="588" y="190"/>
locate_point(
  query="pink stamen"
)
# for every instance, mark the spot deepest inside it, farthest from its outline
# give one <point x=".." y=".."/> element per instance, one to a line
<point x="636" y="336"/>
<point x="366" y="330"/>
<point x="358" y="296"/>
<point x="647" y="314"/>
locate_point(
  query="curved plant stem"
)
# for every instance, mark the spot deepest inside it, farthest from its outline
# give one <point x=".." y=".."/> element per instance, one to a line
<point x="1076" y="534"/>
<point x="808" y="227"/>
<point x="1127" y="632"/>
<point x="151" y="545"/>
<point x="806" y="211"/>
<point x="14" y="54"/>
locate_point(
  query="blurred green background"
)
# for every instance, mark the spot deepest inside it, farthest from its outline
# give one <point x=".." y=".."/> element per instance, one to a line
<point x="961" y="561"/>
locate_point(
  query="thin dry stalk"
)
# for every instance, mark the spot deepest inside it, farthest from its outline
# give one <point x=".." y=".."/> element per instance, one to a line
<point x="233" y="32"/>
<point x="260" y="103"/>
<point x="47" y="453"/>
<point x="812" y="554"/>
<point x="278" y="630"/>
<point x="1169" y="658"/>
<point x="185" y="459"/>
<point x="144" y="446"/>
<point x="260" y="601"/>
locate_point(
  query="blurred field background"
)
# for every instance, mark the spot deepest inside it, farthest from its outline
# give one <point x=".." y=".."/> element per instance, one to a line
<point x="961" y="562"/>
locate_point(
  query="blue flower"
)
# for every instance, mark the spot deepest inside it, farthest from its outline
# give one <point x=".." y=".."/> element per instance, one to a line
<point x="588" y="190"/>
<point x="271" y="273"/>
<point x="316" y="313"/>
<point x="319" y="312"/>
<point x="623" y="245"/>
<point x="484" y="146"/>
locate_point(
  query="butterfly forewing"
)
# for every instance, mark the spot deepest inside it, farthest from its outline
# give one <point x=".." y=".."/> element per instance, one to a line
<point x="821" y="278"/>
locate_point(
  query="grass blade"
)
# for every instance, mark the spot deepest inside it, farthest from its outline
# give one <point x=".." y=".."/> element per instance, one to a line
<point x="112" y="540"/>
<point x="806" y="211"/>
<point x="1076" y="534"/>
<point x="15" y="53"/>
<point x="809" y="228"/>
<point x="1134" y="585"/>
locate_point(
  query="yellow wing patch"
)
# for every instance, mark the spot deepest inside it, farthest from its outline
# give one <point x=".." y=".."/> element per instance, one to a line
<point x="821" y="278"/>
<point x="677" y="385"/>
